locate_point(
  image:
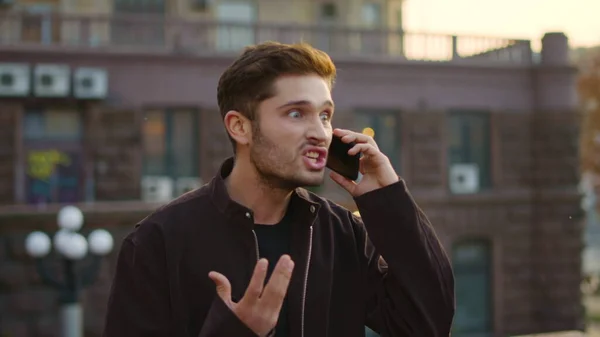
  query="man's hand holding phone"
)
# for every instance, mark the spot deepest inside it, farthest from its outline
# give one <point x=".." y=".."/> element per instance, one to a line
<point x="375" y="167"/>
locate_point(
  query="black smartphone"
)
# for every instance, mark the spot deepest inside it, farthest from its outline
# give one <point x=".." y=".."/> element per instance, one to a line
<point x="340" y="161"/>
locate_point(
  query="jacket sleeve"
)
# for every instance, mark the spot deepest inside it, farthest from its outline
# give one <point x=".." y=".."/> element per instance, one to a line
<point x="221" y="321"/>
<point x="139" y="304"/>
<point x="409" y="279"/>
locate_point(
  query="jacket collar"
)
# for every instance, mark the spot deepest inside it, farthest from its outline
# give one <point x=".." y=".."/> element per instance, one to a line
<point x="301" y="199"/>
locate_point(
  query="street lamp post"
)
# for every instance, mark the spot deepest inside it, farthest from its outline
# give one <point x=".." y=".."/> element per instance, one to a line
<point x="72" y="248"/>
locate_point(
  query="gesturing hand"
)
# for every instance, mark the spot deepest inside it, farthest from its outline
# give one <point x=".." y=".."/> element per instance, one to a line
<point x="259" y="308"/>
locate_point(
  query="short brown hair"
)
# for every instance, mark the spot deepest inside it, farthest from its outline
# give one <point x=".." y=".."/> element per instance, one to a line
<point x="249" y="80"/>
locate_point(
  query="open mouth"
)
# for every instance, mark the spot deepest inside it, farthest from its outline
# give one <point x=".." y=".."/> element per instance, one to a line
<point x="315" y="158"/>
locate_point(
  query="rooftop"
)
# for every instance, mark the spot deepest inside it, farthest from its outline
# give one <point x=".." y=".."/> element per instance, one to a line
<point x="167" y="35"/>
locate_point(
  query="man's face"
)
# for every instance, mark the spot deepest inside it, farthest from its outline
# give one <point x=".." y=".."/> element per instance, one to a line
<point x="292" y="132"/>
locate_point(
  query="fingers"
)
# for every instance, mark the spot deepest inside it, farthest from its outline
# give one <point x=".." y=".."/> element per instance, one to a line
<point x="257" y="281"/>
<point x="348" y="136"/>
<point x="223" y="286"/>
<point x="275" y="290"/>
<point x="364" y="148"/>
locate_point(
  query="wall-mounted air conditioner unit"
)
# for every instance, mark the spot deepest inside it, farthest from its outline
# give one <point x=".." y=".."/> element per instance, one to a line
<point x="464" y="178"/>
<point x="186" y="184"/>
<point x="90" y="83"/>
<point x="15" y="80"/>
<point x="51" y="80"/>
<point x="157" y="189"/>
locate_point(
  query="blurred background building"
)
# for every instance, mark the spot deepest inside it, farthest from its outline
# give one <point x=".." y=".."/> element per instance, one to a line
<point x="111" y="106"/>
<point x="588" y="62"/>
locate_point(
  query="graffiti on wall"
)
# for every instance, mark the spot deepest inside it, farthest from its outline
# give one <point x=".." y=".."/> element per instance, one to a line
<point x="41" y="164"/>
<point x="52" y="176"/>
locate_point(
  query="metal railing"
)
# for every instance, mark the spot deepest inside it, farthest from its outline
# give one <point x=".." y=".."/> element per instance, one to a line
<point x="176" y="35"/>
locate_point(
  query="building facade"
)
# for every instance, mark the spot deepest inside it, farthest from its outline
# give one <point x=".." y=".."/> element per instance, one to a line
<point x="117" y="114"/>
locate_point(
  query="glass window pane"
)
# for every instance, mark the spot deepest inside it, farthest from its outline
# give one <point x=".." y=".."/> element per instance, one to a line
<point x="154" y="140"/>
<point x="52" y="125"/>
<point x="455" y="139"/>
<point x="129" y="33"/>
<point x="459" y="139"/>
<point x="383" y="127"/>
<point x="33" y="125"/>
<point x="470" y="254"/>
<point x="469" y="142"/>
<point x="53" y="176"/>
<point x="184" y="144"/>
<point x="480" y="143"/>
<point x="386" y="137"/>
<point x="399" y="18"/>
<point x="371" y="14"/>
<point x="362" y="121"/>
<point x="472" y="304"/>
<point x="472" y="271"/>
<point x="139" y="6"/>
<point x="328" y="10"/>
<point x="63" y="124"/>
<point x="231" y="37"/>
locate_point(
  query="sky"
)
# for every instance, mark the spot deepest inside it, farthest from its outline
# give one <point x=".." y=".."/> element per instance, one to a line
<point x="520" y="19"/>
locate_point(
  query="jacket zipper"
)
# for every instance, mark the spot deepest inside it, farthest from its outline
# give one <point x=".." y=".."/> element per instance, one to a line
<point x="310" y="240"/>
<point x="256" y="246"/>
<point x="306" y="270"/>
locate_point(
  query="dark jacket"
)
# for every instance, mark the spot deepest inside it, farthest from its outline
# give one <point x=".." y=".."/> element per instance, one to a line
<point x="339" y="285"/>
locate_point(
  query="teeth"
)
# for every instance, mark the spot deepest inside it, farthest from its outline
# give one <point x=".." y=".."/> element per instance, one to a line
<point x="313" y="155"/>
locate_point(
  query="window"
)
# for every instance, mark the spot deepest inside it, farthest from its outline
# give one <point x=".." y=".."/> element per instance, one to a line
<point x="139" y="6"/>
<point x="469" y="142"/>
<point x="37" y="25"/>
<point x="53" y="156"/>
<point x="235" y="30"/>
<point x="371" y="14"/>
<point x="171" y="143"/>
<point x="327" y="14"/>
<point x="400" y="26"/>
<point x="134" y="32"/>
<point x="328" y="11"/>
<point x="399" y="18"/>
<point x="52" y="125"/>
<point x="384" y="128"/>
<point x="473" y="283"/>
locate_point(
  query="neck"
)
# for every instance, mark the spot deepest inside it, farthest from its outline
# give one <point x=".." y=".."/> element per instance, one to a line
<point x="245" y="187"/>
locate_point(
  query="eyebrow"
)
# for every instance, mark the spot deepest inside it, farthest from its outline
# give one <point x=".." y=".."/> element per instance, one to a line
<point x="304" y="102"/>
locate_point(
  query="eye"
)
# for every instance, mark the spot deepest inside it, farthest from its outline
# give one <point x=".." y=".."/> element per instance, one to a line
<point x="325" y="116"/>
<point x="294" y="114"/>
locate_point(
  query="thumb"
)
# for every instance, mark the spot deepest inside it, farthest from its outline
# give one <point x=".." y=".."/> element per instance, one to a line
<point x="344" y="182"/>
<point x="223" y="286"/>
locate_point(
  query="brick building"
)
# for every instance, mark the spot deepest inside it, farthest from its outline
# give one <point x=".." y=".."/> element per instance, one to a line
<point x="485" y="138"/>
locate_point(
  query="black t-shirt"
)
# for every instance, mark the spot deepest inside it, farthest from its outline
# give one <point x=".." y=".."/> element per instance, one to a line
<point x="273" y="242"/>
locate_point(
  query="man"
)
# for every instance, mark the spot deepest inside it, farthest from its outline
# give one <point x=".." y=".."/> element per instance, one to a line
<point x="253" y="254"/>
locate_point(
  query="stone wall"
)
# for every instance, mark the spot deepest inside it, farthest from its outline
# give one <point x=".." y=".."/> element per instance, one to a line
<point x="115" y="157"/>
<point x="556" y="224"/>
<point x="8" y="149"/>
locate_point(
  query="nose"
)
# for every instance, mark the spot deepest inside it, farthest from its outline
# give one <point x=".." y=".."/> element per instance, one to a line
<point x="318" y="133"/>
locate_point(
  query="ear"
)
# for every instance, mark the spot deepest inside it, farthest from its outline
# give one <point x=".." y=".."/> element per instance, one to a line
<point x="239" y="127"/>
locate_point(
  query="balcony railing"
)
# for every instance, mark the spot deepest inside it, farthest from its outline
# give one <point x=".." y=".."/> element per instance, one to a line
<point x="170" y="35"/>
